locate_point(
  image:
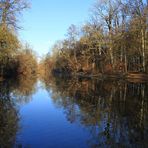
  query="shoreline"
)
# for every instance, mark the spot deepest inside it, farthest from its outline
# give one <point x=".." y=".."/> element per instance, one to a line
<point x="130" y="77"/>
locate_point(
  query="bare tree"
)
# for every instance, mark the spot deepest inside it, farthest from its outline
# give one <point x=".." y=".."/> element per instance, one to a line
<point x="106" y="10"/>
<point x="10" y="10"/>
<point x="138" y="13"/>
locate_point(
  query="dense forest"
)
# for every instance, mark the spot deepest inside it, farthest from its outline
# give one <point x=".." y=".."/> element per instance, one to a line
<point x="113" y="41"/>
<point x="16" y="59"/>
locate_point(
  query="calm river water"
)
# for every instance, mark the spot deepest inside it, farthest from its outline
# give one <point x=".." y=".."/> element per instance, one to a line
<point x="79" y="113"/>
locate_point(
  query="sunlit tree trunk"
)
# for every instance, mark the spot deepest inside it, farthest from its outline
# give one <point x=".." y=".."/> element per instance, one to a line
<point x="143" y="49"/>
<point x="125" y="61"/>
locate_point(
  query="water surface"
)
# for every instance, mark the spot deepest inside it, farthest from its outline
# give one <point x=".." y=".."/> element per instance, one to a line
<point x="73" y="113"/>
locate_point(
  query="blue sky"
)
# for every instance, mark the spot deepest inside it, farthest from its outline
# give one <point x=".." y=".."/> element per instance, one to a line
<point x="48" y="20"/>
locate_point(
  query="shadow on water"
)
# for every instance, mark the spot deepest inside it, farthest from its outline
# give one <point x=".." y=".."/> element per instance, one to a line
<point x="114" y="112"/>
<point x="12" y="93"/>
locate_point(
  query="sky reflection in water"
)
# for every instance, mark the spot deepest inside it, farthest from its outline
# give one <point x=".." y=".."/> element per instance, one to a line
<point x="74" y="113"/>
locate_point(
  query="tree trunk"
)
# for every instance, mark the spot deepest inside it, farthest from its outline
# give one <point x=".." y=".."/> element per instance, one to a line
<point x="125" y="60"/>
<point x="143" y="49"/>
<point x="111" y="50"/>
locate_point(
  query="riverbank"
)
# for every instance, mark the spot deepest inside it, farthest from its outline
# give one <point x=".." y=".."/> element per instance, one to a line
<point x="134" y="77"/>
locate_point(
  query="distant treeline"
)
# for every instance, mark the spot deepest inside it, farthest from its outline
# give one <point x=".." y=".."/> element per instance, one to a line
<point x="15" y="58"/>
<point x="114" y="40"/>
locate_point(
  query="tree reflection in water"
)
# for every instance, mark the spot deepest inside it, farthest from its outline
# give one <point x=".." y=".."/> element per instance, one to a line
<point x="12" y="92"/>
<point x="8" y="116"/>
<point x="114" y="112"/>
<point x="25" y="89"/>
